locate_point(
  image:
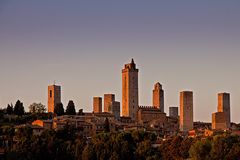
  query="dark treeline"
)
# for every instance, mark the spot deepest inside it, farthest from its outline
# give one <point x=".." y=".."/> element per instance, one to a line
<point x="66" y="144"/>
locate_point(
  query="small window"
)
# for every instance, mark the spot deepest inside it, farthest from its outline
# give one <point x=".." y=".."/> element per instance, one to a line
<point x="50" y="93"/>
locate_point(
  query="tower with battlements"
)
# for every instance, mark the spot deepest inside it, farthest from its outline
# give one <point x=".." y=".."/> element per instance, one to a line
<point x="130" y="90"/>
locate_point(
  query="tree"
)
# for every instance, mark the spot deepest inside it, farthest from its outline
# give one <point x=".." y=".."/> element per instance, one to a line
<point x="70" y="108"/>
<point x="37" y="108"/>
<point x="200" y="150"/>
<point x="10" y="109"/>
<point x="18" y="108"/>
<point x="58" y="109"/>
<point x="80" y="112"/>
<point x="106" y="125"/>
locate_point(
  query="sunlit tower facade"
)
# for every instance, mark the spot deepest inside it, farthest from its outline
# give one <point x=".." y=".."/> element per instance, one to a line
<point x="54" y="97"/>
<point x="130" y="90"/>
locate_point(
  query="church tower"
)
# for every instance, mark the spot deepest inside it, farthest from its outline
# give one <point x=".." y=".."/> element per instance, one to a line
<point x="130" y="90"/>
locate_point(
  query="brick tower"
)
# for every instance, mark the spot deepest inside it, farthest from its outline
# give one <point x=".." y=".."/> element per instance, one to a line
<point x="54" y="97"/>
<point x="158" y="97"/>
<point x="130" y="90"/>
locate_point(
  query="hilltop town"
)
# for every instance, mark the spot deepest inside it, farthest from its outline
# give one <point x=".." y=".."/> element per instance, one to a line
<point x="110" y="116"/>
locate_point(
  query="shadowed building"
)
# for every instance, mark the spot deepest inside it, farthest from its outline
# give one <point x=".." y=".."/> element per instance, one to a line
<point x="54" y="97"/>
<point x="173" y="112"/>
<point x="130" y="90"/>
<point x="186" y="111"/>
<point x="158" y="97"/>
<point x="97" y="104"/>
<point x="219" y="121"/>
<point x="115" y="109"/>
<point x="108" y="99"/>
<point x="224" y="106"/>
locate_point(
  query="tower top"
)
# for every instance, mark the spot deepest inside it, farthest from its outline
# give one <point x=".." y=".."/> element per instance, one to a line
<point x="131" y="65"/>
<point x="158" y="86"/>
<point x="132" y="61"/>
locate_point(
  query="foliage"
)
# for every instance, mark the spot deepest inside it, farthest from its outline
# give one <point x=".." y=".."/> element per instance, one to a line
<point x="37" y="108"/>
<point x="106" y="125"/>
<point x="68" y="143"/>
<point x="10" y="109"/>
<point x="58" y="109"/>
<point x="70" y="108"/>
<point x="18" y="108"/>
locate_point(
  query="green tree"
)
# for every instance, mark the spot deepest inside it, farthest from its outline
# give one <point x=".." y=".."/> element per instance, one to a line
<point x="37" y="108"/>
<point x="18" y="108"/>
<point x="200" y="150"/>
<point x="10" y="109"/>
<point x="70" y="108"/>
<point x="58" y="109"/>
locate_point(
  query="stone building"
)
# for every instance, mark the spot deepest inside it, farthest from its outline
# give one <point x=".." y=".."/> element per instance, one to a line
<point x="148" y="113"/>
<point x="224" y="106"/>
<point x="173" y="112"/>
<point x="54" y="97"/>
<point x="130" y="90"/>
<point x="108" y="99"/>
<point x="97" y="104"/>
<point x="186" y="111"/>
<point x="115" y="109"/>
<point x="219" y="121"/>
<point x="158" y="97"/>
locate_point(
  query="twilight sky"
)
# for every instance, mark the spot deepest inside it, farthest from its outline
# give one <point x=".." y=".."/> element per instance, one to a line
<point x="83" y="45"/>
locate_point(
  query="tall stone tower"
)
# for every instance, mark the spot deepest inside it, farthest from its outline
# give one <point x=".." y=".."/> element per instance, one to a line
<point x="97" y="104"/>
<point x="186" y="111"/>
<point x="130" y="90"/>
<point x="108" y="99"/>
<point x="158" y="97"/>
<point x="224" y="106"/>
<point x="54" y="97"/>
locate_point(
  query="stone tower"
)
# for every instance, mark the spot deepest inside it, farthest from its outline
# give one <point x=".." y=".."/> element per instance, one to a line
<point x="173" y="112"/>
<point x="54" y="97"/>
<point x="108" y="99"/>
<point x="158" y="97"/>
<point x="224" y="106"/>
<point x="97" y="104"/>
<point x="186" y="111"/>
<point x="130" y="90"/>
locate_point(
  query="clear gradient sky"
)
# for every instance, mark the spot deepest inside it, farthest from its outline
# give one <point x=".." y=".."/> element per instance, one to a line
<point x="83" y="45"/>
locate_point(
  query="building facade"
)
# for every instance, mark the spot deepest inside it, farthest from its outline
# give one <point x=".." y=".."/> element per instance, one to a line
<point x="224" y="106"/>
<point x="130" y="90"/>
<point x="158" y="97"/>
<point x="219" y="121"/>
<point x="97" y="104"/>
<point x="115" y="109"/>
<point x="108" y="99"/>
<point x="186" y="111"/>
<point x="173" y="112"/>
<point x="54" y="97"/>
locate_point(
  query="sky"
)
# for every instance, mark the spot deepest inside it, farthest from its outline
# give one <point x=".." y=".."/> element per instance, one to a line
<point x="83" y="45"/>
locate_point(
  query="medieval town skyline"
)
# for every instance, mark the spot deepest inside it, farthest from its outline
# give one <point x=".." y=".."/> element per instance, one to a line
<point x="195" y="50"/>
